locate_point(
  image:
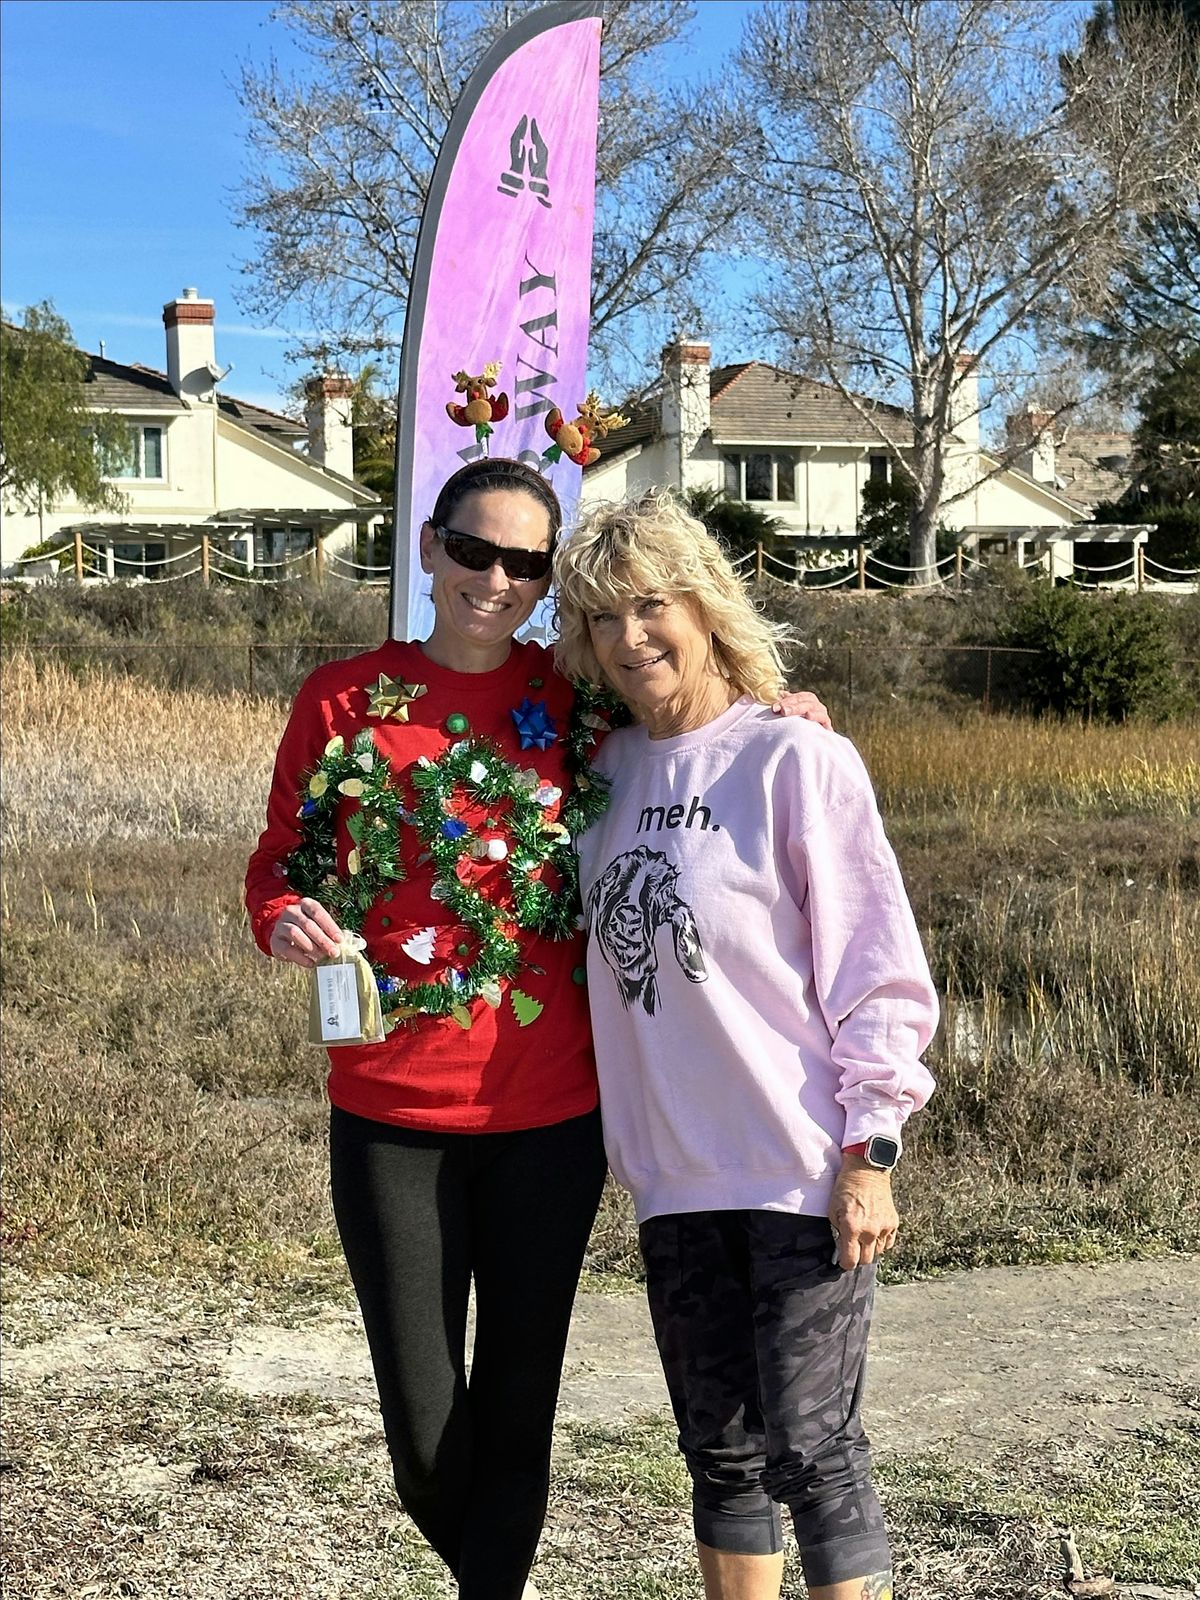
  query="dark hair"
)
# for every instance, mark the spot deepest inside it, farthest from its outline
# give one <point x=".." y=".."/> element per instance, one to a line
<point x="501" y="473"/>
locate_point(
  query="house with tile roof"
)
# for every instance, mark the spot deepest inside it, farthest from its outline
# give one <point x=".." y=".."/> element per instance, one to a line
<point x="252" y="488"/>
<point x="800" y="451"/>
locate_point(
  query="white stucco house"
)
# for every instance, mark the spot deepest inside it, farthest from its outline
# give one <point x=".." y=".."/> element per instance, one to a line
<point x="251" y="487"/>
<point x="798" y="450"/>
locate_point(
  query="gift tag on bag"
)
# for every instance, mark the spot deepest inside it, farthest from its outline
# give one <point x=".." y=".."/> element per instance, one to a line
<point x="337" y="1000"/>
<point x="344" y="1002"/>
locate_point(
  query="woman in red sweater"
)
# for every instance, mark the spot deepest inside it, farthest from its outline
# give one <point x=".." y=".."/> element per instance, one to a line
<point x="466" y="1145"/>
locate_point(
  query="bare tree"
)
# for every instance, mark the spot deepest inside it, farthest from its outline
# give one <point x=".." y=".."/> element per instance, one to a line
<point x="342" y="153"/>
<point x="936" y="197"/>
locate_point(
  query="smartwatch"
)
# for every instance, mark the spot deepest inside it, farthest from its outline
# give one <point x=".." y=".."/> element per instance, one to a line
<point x="878" y="1151"/>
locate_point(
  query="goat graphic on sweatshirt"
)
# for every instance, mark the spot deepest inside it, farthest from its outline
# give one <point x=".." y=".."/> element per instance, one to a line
<point x="633" y="898"/>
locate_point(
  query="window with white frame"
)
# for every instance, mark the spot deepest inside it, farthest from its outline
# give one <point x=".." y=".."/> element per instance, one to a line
<point x="760" y="475"/>
<point x="143" y="458"/>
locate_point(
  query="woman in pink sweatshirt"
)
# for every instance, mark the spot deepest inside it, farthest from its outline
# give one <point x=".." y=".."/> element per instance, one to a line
<point x="760" y="1002"/>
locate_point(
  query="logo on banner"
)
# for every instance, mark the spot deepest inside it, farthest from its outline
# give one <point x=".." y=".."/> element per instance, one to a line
<point x="527" y="163"/>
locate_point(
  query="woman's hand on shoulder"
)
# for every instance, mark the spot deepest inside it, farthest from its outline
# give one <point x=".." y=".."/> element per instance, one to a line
<point x="802" y="703"/>
<point x="862" y="1213"/>
<point x="305" y="933"/>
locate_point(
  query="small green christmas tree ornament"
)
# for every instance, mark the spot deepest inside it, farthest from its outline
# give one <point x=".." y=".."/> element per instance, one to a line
<point x="525" y="1008"/>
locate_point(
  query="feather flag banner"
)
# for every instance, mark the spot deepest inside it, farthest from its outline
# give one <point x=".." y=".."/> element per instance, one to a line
<point x="496" y="331"/>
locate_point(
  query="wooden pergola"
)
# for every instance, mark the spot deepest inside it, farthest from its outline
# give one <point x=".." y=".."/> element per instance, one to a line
<point x="244" y="523"/>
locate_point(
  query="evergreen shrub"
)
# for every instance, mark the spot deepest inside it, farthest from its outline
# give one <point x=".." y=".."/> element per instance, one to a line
<point x="1104" y="657"/>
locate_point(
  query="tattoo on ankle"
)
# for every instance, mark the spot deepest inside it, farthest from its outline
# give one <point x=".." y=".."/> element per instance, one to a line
<point x="877" y="1587"/>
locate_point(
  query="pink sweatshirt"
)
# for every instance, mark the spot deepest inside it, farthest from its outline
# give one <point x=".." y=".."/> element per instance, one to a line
<point x="758" y="990"/>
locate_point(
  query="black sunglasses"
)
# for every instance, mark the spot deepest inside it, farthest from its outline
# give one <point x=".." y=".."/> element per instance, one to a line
<point x="477" y="555"/>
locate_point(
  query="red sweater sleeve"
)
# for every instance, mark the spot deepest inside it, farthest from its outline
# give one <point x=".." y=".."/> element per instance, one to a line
<point x="303" y="742"/>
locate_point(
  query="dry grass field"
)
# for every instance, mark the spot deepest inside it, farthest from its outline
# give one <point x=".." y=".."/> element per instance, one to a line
<point x="163" y="1109"/>
<point x="164" y="1125"/>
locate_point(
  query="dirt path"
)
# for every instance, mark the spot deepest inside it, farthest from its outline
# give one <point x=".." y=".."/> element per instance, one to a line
<point x="980" y="1359"/>
<point x="170" y="1447"/>
<point x="976" y="1360"/>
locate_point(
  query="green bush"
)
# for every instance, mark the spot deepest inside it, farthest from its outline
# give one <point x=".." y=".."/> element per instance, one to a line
<point x="1104" y="657"/>
<point x="53" y="546"/>
<point x="737" y="527"/>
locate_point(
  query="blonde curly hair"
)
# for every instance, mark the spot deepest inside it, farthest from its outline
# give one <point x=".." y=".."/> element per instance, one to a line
<point x="627" y="549"/>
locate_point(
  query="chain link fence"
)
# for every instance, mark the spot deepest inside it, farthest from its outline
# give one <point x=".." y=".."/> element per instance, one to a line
<point x="992" y="675"/>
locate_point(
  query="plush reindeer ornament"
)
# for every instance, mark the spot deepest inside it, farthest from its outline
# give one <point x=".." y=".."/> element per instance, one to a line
<point x="574" y="439"/>
<point x="481" y="408"/>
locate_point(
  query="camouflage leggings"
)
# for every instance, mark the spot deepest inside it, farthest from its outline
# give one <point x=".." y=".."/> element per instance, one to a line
<point x="762" y="1339"/>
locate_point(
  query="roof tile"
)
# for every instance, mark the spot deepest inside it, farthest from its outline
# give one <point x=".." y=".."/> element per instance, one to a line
<point x="754" y="402"/>
<point x="1095" y="466"/>
<point x="763" y="402"/>
<point x="117" y="385"/>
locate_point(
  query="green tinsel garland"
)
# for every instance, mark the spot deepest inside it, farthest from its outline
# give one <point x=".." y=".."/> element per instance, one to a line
<point x="361" y="773"/>
<point x="357" y="773"/>
<point x="594" y="711"/>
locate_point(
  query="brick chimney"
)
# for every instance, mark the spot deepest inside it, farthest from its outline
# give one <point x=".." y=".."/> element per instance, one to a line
<point x="191" y="350"/>
<point x="1034" y="430"/>
<point x="964" y="399"/>
<point x="686" y="400"/>
<point x="328" y="415"/>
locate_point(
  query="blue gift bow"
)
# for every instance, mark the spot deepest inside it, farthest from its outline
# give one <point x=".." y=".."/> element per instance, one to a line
<point x="535" y="725"/>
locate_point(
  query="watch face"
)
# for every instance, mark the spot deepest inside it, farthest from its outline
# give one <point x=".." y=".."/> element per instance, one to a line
<point x="881" y="1152"/>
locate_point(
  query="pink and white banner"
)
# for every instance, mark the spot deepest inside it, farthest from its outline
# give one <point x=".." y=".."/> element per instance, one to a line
<point x="502" y="272"/>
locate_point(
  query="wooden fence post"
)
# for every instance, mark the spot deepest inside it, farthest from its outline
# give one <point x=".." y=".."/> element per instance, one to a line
<point x="862" y="566"/>
<point x="1139" y="552"/>
<point x="320" y="554"/>
<point x="78" y="539"/>
<point x="204" y="552"/>
<point x="958" y="564"/>
<point x="758" y="561"/>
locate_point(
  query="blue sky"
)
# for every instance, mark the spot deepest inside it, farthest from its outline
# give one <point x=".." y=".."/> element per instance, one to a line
<point x="122" y="146"/>
<point x="122" y="141"/>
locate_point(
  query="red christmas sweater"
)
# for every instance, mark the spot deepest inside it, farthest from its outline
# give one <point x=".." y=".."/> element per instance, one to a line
<point x="429" y="1072"/>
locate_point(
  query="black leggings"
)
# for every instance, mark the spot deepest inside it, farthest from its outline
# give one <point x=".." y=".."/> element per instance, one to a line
<point x="763" y="1341"/>
<point x="421" y="1214"/>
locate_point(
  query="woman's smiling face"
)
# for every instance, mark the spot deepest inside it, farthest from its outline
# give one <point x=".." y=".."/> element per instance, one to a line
<point x="655" y="650"/>
<point x="477" y="613"/>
